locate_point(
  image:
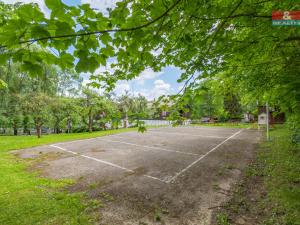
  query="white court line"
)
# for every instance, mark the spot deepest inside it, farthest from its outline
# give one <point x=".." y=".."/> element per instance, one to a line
<point x="202" y="157"/>
<point x="98" y="160"/>
<point x="127" y="143"/>
<point x="152" y="147"/>
<point x="193" y="135"/>
<point x="104" y="162"/>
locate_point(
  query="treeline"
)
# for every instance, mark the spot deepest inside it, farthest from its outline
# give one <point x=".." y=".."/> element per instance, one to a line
<point x="215" y="99"/>
<point x="57" y="100"/>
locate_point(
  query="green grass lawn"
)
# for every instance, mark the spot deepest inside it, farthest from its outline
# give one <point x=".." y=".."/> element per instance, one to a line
<point x="282" y="177"/>
<point x="27" y="198"/>
<point x="270" y="191"/>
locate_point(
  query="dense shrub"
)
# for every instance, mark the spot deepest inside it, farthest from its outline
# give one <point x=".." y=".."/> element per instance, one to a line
<point x="293" y="123"/>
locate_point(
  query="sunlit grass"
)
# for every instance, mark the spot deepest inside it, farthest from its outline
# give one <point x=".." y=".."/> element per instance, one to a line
<point x="282" y="176"/>
<point x="27" y="198"/>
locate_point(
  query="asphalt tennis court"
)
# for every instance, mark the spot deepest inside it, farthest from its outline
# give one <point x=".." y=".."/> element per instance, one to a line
<point x="177" y="169"/>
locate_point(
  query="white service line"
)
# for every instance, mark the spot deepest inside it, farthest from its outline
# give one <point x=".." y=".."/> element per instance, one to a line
<point x="104" y="162"/>
<point x="155" y="178"/>
<point x="193" y="135"/>
<point x="202" y="157"/>
<point x="151" y="147"/>
<point x="95" y="159"/>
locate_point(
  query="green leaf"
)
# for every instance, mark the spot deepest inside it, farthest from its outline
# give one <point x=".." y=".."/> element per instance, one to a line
<point x="63" y="28"/>
<point x="108" y="51"/>
<point x="3" y="58"/>
<point x="39" y="31"/>
<point x="53" y="4"/>
<point x="66" y="60"/>
<point x="87" y="64"/>
<point x="105" y="38"/>
<point x="30" y="12"/>
<point x="2" y="84"/>
<point x="32" y="68"/>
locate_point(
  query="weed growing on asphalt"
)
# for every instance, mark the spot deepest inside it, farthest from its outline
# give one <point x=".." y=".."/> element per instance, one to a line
<point x="222" y="219"/>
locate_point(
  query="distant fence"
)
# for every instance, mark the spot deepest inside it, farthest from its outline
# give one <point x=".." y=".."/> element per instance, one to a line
<point x="157" y="122"/>
<point x="164" y="122"/>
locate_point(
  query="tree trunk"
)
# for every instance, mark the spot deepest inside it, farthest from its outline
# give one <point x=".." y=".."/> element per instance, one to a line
<point x="69" y="125"/>
<point x="15" y="128"/>
<point x="38" y="130"/>
<point x="90" y="121"/>
<point x="38" y="126"/>
<point x="56" y="128"/>
<point x="25" y="126"/>
<point x="25" y="130"/>
<point x="125" y="122"/>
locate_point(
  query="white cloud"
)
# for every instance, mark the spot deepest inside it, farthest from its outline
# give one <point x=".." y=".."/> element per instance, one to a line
<point x="160" y="88"/>
<point x="147" y="74"/>
<point x="121" y="88"/>
<point x="101" y="5"/>
<point x="41" y="4"/>
<point x="161" y="85"/>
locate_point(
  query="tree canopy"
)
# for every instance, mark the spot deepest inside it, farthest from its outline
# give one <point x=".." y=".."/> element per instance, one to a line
<point x="203" y="38"/>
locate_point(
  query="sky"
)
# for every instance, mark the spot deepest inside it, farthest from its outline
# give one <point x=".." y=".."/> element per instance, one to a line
<point x="149" y="84"/>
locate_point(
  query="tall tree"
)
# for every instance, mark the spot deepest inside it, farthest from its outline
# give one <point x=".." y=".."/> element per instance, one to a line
<point x="92" y="104"/>
<point x="202" y="38"/>
<point x="37" y="105"/>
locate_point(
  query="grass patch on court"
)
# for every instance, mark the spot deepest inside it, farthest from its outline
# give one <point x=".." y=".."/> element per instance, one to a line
<point x="227" y="125"/>
<point x="270" y="191"/>
<point x="26" y="198"/>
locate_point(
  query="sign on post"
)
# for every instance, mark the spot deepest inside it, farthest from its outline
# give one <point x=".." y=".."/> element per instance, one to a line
<point x="262" y="119"/>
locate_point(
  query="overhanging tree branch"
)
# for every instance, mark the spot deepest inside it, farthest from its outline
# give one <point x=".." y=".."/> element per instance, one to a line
<point x="102" y="31"/>
<point x="219" y="27"/>
<point x="233" y="16"/>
